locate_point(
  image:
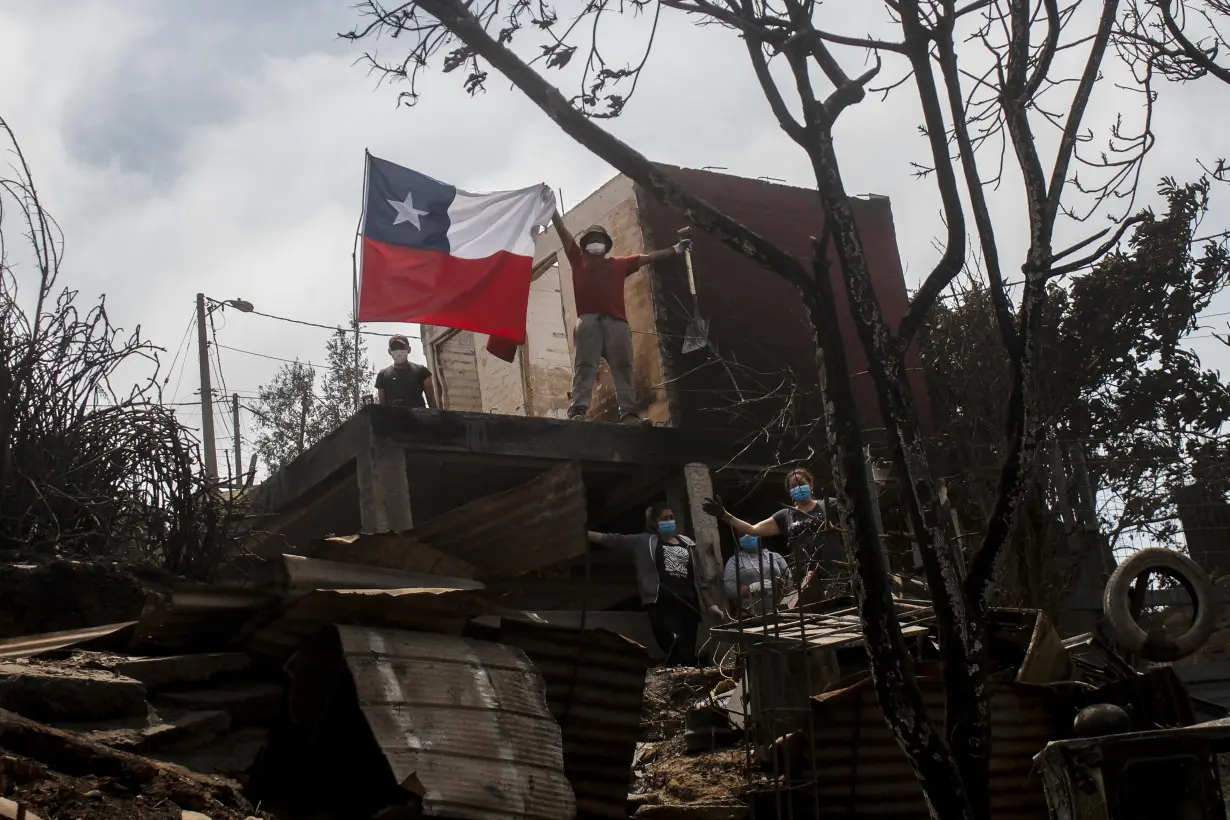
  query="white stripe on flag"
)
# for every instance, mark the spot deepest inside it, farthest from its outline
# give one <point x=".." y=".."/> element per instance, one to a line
<point x="482" y="225"/>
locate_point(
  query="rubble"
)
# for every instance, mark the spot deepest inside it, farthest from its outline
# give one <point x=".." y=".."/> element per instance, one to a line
<point x="669" y="780"/>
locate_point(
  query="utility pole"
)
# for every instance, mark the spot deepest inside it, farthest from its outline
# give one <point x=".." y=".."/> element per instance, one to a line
<point x="238" y="440"/>
<point x="207" y="399"/>
<point x="356" y="376"/>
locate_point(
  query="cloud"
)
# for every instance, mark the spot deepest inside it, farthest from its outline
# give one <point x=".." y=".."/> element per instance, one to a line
<point x="217" y="147"/>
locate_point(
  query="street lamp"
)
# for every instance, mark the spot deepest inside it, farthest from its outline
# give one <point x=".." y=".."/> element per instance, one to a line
<point x="207" y="403"/>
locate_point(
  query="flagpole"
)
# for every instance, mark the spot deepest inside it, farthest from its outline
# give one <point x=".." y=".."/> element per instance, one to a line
<point x="355" y="250"/>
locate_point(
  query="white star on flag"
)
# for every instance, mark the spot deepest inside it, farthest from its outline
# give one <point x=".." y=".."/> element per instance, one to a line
<point x="406" y="212"/>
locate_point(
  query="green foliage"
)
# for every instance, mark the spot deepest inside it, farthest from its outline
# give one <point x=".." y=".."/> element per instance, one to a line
<point x="1114" y="375"/>
<point x="292" y="415"/>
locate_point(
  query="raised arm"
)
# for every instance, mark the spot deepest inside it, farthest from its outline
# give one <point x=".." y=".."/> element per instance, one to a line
<point x="571" y="248"/>
<point x="765" y="529"/>
<point x="661" y="255"/>
<point x="615" y="541"/>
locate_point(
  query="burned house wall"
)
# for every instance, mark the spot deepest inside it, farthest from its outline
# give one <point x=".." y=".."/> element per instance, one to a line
<point x="756" y="319"/>
<point x="502" y="384"/>
<point x="548" y="363"/>
<point x="451" y="358"/>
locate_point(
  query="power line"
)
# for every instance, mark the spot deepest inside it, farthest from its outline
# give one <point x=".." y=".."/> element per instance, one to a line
<point x="274" y="358"/>
<point x="317" y="324"/>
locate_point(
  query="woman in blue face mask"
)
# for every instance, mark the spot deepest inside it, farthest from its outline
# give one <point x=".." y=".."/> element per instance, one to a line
<point x="755" y="578"/>
<point x="801" y="527"/>
<point x="668" y="581"/>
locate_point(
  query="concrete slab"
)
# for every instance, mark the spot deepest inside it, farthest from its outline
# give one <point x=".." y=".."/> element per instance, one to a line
<point x="157" y="729"/>
<point x="180" y="669"/>
<point x="246" y="703"/>
<point x="50" y="694"/>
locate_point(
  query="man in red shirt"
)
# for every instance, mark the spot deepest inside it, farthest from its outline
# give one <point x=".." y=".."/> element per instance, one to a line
<point x="602" y="325"/>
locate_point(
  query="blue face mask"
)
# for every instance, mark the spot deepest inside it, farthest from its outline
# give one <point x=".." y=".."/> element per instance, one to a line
<point x="666" y="528"/>
<point x="749" y="543"/>
<point x="800" y="494"/>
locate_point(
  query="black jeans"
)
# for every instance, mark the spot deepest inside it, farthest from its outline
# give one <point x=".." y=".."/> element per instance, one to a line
<point x="675" y="625"/>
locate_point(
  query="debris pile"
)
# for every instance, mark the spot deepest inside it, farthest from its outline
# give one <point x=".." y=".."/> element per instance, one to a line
<point x="398" y="690"/>
<point x="680" y="767"/>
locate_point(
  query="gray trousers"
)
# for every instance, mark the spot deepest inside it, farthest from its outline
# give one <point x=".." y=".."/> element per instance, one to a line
<point x="598" y="337"/>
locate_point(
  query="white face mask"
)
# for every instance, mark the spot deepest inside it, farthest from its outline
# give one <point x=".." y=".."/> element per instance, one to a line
<point x="399" y="356"/>
<point x="596" y="248"/>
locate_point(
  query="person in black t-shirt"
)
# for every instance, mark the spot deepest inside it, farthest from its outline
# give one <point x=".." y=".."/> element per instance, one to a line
<point x="803" y="529"/>
<point x="405" y="384"/>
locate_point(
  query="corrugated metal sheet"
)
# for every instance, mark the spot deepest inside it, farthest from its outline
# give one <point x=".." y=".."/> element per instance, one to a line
<point x="861" y="771"/>
<point x="28" y="646"/>
<point x="463" y="721"/>
<point x="310" y="614"/>
<point x="391" y="550"/>
<point x="296" y="573"/>
<point x="535" y="525"/>
<point x="595" y="687"/>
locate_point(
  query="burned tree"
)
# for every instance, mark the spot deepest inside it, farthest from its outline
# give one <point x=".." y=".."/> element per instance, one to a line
<point x="85" y="469"/>
<point x="996" y="86"/>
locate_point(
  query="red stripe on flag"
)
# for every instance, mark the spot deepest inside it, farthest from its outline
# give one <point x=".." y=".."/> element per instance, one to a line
<point x="489" y="295"/>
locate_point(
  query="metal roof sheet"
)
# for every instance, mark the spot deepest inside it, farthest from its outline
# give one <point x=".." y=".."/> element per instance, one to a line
<point x="462" y="721"/>
<point x="535" y="525"/>
<point x="860" y="769"/>
<point x="306" y="616"/>
<point x="595" y="684"/>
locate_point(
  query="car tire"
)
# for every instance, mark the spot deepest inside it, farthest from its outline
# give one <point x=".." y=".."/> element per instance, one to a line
<point x="1116" y="605"/>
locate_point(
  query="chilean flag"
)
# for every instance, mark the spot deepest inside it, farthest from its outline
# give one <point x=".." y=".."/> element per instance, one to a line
<point x="437" y="255"/>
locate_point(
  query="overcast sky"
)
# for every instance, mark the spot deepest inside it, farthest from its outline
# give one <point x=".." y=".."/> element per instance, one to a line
<point x="217" y="146"/>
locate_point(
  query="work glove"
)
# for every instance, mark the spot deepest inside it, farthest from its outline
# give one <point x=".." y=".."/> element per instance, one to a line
<point x="713" y="506"/>
<point x="548" y="200"/>
<point x="682" y="246"/>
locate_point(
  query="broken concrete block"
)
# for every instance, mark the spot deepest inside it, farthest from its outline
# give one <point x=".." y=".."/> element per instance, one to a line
<point x="50" y="694"/>
<point x="246" y="703"/>
<point x="231" y="755"/>
<point x="194" y="815"/>
<point x="165" y="729"/>
<point x="179" y="669"/>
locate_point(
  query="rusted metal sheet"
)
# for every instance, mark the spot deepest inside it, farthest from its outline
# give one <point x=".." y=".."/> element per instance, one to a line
<point x="861" y="771"/>
<point x="595" y="687"/>
<point x="462" y="722"/>
<point x="27" y="646"/>
<point x="307" y="616"/>
<point x="399" y="551"/>
<point x="295" y="573"/>
<point x="535" y="525"/>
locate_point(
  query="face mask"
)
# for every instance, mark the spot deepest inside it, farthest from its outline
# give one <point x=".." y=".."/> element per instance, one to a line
<point x="596" y="248"/>
<point x="749" y="543"/>
<point x="399" y="356"/>
<point x="666" y="528"/>
<point x="800" y="494"/>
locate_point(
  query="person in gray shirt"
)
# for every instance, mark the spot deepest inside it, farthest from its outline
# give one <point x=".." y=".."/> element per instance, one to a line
<point x="668" y="580"/>
<point x="755" y="579"/>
